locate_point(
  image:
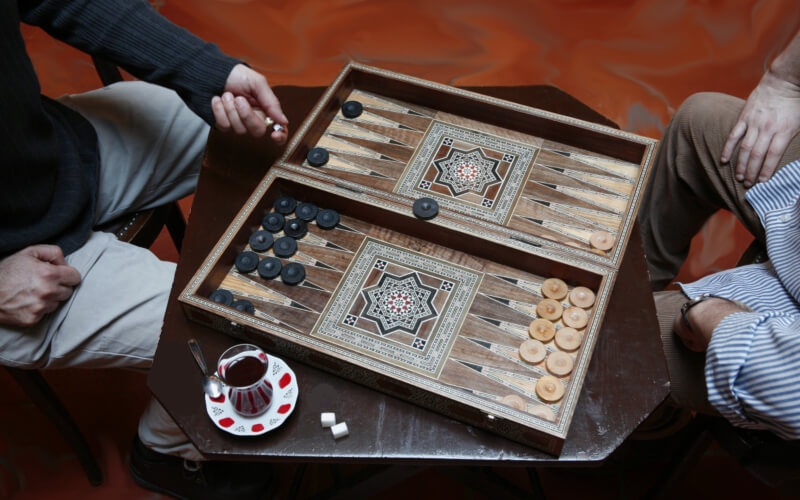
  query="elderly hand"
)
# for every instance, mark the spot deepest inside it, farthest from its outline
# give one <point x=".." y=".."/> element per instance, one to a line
<point x="34" y="282"/>
<point x="703" y="318"/>
<point x="246" y="102"/>
<point x="769" y="120"/>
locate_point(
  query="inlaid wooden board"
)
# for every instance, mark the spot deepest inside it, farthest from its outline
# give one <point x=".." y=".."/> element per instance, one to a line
<point x="435" y="311"/>
<point x="426" y="312"/>
<point x="497" y="178"/>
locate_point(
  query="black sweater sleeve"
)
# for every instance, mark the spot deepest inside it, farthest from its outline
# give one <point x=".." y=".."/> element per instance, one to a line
<point x="134" y="36"/>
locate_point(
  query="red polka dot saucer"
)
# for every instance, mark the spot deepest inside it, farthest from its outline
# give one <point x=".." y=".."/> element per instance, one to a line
<point x="284" y="399"/>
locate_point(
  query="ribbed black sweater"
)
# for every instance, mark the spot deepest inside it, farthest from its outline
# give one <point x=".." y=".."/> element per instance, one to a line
<point x="48" y="153"/>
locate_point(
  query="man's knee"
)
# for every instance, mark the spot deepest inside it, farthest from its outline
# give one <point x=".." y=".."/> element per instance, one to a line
<point x="707" y="113"/>
<point x="26" y="348"/>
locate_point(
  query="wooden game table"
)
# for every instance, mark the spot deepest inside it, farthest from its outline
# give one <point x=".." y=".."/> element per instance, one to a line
<point x="626" y="381"/>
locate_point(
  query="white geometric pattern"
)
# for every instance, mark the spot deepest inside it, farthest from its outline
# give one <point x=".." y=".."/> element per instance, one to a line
<point x="477" y="189"/>
<point x="399" y="303"/>
<point x="464" y="171"/>
<point x="448" y="291"/>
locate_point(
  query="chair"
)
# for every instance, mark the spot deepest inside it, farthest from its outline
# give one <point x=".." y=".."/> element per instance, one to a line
<point x="139" y="228"/>
<point x="771" y="460"/>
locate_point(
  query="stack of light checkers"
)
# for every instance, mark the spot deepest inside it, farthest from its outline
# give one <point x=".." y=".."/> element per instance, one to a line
<point x="264" y="240"/>
<point x="556" y="335"/>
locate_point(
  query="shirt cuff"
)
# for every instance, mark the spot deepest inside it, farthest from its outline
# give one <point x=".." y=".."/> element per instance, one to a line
<point x="727" y="352"/>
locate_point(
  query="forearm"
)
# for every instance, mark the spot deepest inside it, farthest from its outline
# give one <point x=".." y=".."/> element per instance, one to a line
<point x="787" y="65"/>
<point x="697" y="320"/>
<point x="133" y="35"/>
<point x="752" y="367"/>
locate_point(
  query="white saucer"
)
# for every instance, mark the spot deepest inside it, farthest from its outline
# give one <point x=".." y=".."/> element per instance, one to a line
<point x="284" y="399"/>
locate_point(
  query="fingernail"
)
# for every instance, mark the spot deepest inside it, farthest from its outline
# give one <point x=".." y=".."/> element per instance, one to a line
<point x="739" y="177"/>
<point x="239" y="101"/>
<point x="763" y="178"/>
<point x="747" y="184"/>
<point x="227" y="96"/>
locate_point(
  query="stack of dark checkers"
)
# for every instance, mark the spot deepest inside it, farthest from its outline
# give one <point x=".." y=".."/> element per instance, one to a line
<point x="266" y="240"/>
<point x="438" y="245"/>
<point x="283" y="247"/>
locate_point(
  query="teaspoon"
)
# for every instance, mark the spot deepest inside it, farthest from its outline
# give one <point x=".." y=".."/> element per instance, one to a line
<point x="212" y="385"/>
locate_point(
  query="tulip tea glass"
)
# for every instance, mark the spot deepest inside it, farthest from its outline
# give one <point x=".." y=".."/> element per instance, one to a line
<point x="243" y="369"/>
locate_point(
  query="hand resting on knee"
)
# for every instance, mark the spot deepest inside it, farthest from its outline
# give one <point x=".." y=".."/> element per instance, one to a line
<point x="35" y="281"/>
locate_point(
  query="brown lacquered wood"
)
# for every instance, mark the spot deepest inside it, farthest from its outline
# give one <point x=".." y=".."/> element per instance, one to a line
<point x="561" y="188"/>
<point x="232" y="167"/>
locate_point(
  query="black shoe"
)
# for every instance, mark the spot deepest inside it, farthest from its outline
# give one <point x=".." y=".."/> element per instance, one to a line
<point x="189" y="480"/>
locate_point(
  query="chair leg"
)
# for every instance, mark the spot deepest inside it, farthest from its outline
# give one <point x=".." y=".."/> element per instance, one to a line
<point x="297" y="481"/>
<point x="37" y="388"/>
<point x="176" y="225"/>
<point x="690" y="450"/>
<point x="536" y="484"/>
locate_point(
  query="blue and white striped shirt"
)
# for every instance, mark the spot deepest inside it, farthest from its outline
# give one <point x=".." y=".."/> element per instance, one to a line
<point x="752" y="365"/>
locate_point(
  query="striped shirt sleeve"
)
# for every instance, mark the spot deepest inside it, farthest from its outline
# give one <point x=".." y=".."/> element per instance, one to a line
<point x="752" y="371"/>
<point x="752" y="368"/>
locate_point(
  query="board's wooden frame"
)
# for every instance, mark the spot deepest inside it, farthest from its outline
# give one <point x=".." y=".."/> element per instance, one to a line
<point x="537" y="255"/>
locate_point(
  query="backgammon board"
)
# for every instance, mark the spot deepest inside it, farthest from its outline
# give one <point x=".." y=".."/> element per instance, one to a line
<point x="457" y="310"/>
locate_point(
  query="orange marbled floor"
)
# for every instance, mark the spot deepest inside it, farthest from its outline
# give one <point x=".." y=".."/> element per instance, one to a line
<point x="634" y="61"/>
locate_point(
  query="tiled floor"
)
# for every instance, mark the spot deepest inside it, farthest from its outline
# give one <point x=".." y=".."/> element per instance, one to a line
<point x="632" y="60"/>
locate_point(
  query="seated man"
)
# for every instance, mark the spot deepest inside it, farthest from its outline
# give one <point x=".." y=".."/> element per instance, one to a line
<point x="743" y="323"/>
<point x="73" y="297"/>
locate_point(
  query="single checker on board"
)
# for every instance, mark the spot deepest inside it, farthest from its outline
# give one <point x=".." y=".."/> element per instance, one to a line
<point x="270" y="267"/>
<point x="284" y="205"/>
<point x="549" y="309"/>
<point x="542" y="330"/>
<point x="582" y="297"/>
<point x="295" y="228"/>
<point x="602" y="240"/>
<point x="222" y="296"/>
<point x="532" y="351"/>
<point x="568" y="339"/>
<point x="246" y="262"/>
<point x="554" y="288"/>
<point x="273" y="222"/>
<point x="575" y="317"/>
<point x="261" y="241"/>
<point x="550" y="389"/>
<point x="543" y="412"/>
<point x="559" y="363"/>
<point x="515" y="402"/>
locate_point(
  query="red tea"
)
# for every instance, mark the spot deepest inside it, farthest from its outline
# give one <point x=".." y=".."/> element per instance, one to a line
<point x="245" y="371"/>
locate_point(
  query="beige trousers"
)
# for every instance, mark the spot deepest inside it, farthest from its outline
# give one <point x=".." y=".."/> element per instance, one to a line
<point x="151" y="147"/>
<point x="687" y="186"/>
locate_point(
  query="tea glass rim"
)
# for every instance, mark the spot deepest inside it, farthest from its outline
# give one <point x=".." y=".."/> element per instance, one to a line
<point x="244" y="347"/>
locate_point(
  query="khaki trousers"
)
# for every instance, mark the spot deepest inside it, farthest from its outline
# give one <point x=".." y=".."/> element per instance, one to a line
<point x="151" y="147"/>
<point x="687" y="186"/>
